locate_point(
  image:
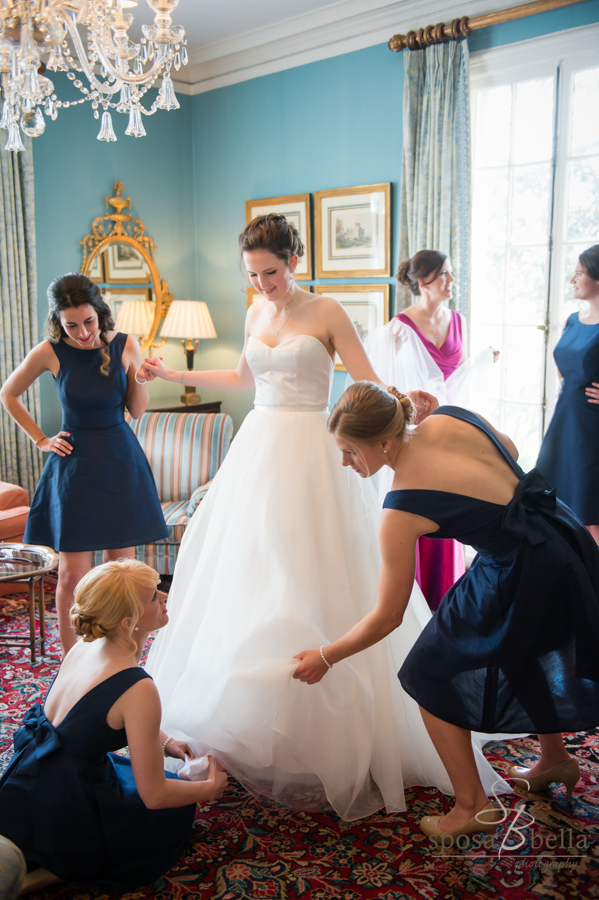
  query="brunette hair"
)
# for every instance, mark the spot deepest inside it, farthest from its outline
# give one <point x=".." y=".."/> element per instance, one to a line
<point x="368" y="412"/>
<point x="107" y="595"/>
<point x="273" y="233"/>
<point x="590" y="260"/>
<point x="68" y="292"/>
<point x="424" y="264"/>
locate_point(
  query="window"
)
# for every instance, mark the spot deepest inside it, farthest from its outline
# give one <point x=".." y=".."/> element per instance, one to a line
<point x="535" y="207"/>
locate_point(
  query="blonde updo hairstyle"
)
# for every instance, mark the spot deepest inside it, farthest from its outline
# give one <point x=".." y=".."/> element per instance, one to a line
<point x="368" y="413"/>
<point x="107" y="595"/>
<point x="424" y="266"/>
<point x="274" y="234"/>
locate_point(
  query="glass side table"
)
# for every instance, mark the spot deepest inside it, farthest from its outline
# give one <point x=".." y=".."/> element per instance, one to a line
<point x="28" y="563"/>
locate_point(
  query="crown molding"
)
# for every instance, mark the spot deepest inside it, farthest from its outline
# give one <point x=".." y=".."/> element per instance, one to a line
<point x="330" y="31"/>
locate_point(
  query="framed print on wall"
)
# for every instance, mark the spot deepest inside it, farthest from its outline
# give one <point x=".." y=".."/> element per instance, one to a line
<point x="353" y="232"/>
<point x="367" y="305"/>
<point x="96" y="270"/>
<point x="252" y="293"/>
<point x="296" y="210"/>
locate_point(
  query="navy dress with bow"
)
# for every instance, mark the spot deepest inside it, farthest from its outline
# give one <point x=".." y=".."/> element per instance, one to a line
<point x="73" y="808"/>
<point x="513" y="645"/>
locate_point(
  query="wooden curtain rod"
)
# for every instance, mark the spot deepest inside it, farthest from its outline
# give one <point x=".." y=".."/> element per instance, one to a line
<point x="462" y="28"/>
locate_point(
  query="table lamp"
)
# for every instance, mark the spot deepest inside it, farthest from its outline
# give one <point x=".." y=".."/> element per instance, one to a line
<point x="135" y="317"/>
<point x="189" y="319"/>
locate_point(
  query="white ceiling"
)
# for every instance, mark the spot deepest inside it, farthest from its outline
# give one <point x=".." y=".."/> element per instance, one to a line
<point x="208" y="21"/>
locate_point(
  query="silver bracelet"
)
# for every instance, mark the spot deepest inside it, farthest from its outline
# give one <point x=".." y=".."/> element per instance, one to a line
<point x="324" y="659"/>
<point x="164" y="743"/>
<point x="137" y="381"/>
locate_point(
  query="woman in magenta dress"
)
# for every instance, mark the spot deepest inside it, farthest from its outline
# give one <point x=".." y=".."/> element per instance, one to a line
<point x="423" y="352"/>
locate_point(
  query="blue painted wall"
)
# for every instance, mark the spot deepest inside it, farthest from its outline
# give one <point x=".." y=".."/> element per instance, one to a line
<point x="333" y="123"/>
<point x="73" y="174"/>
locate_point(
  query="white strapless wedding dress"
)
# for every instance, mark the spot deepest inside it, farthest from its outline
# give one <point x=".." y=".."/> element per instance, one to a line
<point x="280" y="557"/>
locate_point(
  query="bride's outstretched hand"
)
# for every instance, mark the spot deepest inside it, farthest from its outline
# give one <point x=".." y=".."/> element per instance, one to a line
<point x="311" y="667"/>
<point x="154" y="368"/>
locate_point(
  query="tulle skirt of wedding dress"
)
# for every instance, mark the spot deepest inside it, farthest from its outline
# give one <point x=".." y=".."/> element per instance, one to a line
<point x="281" y="557"/>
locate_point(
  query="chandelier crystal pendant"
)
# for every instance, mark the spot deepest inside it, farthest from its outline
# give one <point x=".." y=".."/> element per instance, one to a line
<point x="87" y="37"/>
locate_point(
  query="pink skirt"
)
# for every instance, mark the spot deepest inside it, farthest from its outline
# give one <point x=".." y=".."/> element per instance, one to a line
<point x="439" y="564"/>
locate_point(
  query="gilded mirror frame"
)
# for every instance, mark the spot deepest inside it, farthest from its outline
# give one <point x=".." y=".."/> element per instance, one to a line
<point x="118" y="227"/>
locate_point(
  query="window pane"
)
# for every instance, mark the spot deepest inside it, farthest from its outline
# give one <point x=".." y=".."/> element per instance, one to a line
<point x="489" y="205"/>
<point x="530" y="204"/>
<point x="522" y="422"/>
<point x="492" y="138"/>
<point x="523" y="363"/>
<point x="585" y="117"/>
<point x="533" y="121"/>
<point x="527" y="289"/>
<point x="583" y="200"/>
<point x="488" y="286"/>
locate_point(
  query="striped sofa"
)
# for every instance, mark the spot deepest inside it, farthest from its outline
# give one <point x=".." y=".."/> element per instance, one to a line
<point x="185" y="451"/>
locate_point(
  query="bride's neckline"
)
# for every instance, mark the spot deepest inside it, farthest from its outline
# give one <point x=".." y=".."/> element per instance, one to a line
<point x="294" y="338"/>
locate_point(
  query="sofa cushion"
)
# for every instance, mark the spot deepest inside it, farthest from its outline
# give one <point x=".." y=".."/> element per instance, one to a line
<point x="184" y="450"/>
<point x="176" y="518"/>
<point x="12" y="523"/>
<point x="12" y="496"/>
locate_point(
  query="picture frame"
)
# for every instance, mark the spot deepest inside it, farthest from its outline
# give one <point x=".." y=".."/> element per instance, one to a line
<point x="353" y="232"/>
<point x="252" y="293"/>
<point x="115" y="296"/>
<point x="367" y="305"/>
<point x="124" y="265"/>
<point x="297" y="209"/>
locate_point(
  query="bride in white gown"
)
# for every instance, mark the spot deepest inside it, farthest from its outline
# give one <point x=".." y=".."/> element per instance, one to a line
<point x="282" y="554"/>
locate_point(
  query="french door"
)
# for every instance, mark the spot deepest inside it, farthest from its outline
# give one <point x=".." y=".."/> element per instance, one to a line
<point x="535" y="208"/>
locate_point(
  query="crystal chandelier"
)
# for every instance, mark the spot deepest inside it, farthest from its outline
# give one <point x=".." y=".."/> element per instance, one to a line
<point x="87" y="37"/>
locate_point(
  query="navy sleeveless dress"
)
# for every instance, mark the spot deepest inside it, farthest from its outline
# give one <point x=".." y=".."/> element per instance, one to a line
<point x="73" y="808"/>
<point x="513" y="645"/>
<point x="570" y="448"/>
<point x="103" y="496"/>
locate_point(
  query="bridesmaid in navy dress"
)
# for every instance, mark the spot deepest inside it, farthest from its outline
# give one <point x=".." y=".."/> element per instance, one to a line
<point x="570" y="449"/>
<point x="77" y="811"/>
<point x="97" y="491"/>
<point x="513" y="645"/>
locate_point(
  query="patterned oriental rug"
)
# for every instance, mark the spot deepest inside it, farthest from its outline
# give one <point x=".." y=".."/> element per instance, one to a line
<point x="240" y="849"/>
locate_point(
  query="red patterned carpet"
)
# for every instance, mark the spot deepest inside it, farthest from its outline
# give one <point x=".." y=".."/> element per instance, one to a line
<point x="242" y="850"/>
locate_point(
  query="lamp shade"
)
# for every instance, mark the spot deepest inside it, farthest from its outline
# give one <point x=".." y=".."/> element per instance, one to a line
<point x="188" y="319"/>
<point x="135" y="317"/>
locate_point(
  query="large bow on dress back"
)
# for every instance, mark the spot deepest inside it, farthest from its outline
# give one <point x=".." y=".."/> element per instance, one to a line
<point x="533" y="495"/>
<point x="38" y="731"/>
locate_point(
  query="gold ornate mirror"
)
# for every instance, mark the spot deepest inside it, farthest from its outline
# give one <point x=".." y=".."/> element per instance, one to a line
<point x="119" y="257"/>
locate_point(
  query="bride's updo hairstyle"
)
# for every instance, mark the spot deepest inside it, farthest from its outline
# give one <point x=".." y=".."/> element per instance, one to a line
<point x="368" y="413"/>
<point x="424" y="265"/>
<point x="107" y="595"/>
<point x="273" y="233"/>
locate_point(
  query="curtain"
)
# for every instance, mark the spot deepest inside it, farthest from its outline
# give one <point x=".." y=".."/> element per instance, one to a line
<point x="20" y="460"/>
<point x="436" y="169"/>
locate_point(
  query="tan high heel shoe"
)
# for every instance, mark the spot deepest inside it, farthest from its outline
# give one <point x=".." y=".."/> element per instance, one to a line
<point x="566" y="773"/>
<point x="491" y="820"/>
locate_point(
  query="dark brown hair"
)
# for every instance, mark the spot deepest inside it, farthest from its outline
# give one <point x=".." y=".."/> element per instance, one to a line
<point x="368" y="412"/>
<point x="590" y="260"/>
<point x="424" y="264"/>
<point x="68" y="292"/>
<point x="273" y="233"/>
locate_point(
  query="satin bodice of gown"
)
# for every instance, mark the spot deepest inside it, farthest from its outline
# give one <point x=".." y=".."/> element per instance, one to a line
<point x="451" y="352"/>
<point x="296" y="375"/>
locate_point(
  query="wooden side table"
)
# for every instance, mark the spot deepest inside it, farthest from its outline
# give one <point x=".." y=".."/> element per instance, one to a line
<point x="213" y="407"/>
<point x="28" y="563"/>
